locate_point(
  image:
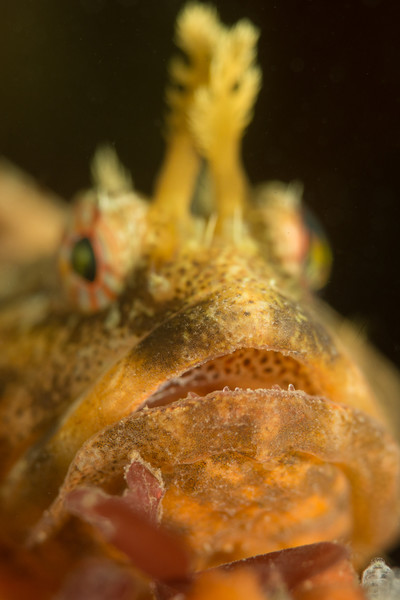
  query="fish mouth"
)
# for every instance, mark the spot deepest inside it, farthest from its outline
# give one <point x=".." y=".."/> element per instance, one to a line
<point x="252" y="470"/>
<point x="253" y="454"/>
<point x="242" y="369"/>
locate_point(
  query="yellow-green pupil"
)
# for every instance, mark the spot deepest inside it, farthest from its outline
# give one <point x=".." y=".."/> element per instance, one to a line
<point x="83" y="259"/>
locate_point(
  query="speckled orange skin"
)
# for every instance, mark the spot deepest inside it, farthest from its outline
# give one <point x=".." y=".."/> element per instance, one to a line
<point x="246" y="471"/>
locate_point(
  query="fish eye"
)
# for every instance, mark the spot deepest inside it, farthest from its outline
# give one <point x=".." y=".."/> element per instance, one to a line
<point x="89" y="260"/>
<point x="83" y="259"/>
<point x="290" y="233"/>
<point x="318" y="259"/>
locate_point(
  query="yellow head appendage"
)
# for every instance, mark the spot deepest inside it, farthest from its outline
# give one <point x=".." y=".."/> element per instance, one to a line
<point x="197" y="34"/>
<point x="210" y="104"/>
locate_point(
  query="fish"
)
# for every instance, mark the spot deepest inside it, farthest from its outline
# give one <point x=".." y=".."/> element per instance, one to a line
<point x="168" y="370"/>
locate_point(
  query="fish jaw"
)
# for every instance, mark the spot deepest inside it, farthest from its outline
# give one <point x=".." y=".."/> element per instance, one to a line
<point x="248" y="471"/>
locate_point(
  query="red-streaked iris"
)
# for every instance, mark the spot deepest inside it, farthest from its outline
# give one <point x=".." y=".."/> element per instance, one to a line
<point x="89" y="259"/>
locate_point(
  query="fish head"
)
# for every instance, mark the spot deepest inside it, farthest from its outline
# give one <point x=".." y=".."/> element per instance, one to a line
<point x="184" y="333"/>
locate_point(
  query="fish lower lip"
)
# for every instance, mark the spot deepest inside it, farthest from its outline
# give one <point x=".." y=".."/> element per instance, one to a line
<point x="244" y="369"/>
<point x="285" y="466"/>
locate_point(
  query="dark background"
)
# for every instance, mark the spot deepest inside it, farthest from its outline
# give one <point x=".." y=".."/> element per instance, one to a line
<point x="75" y="73"/>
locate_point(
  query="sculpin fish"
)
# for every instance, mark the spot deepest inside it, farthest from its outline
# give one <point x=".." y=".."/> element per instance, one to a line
<point x="169" y="357"/>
